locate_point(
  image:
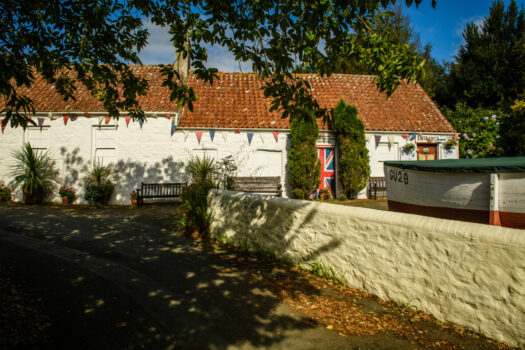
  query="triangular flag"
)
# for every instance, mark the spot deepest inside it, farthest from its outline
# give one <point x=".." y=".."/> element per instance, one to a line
<point x="107" y="120"/>
<point x="86" y="114"/>
<point x="250" y="137"/>
<point x="127" y="118"/>
<point x="412" y="136"/>
<point x="404" y="136"/>
<point x="212" y="135"/>
<point x="28" y="117"/>
<point x="66" y="118"/>
<point x="73" y="117"/>
<point x="141" y="122"/>
<point x="276" y="136"/>
<point x="40" y="122"/>
<point x="390" y="140"/>
<point x="167" y="115"/>
<point x="224" y="136"/>
<point x="199" y="135"/>
<point x="186" y="133"/>
<point x="100" y="119"/>
<point x="261" y="137"/>
<point x="173" y="128"/>
<point x="53" y="117"/>
<point x="378" y="139"/>
<point x="237" y="131"/>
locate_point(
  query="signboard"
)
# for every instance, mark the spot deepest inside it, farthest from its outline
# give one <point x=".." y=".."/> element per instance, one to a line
<point x="431" y="138"/>
<point x="326" y="138"/>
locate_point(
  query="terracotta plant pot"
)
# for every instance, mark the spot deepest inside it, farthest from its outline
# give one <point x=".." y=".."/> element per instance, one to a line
<point x="65" y="200"/>
<point x="134" y="202"/>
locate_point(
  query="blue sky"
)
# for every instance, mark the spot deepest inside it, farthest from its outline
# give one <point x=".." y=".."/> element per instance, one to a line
<point x="442" y="27"/>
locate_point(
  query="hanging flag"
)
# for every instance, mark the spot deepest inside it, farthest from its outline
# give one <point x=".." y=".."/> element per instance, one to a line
<point x="40" y="122"/>
<point x="237" y="131"/>
<point x="127" y="118"/>
<point x="224" y="136"/>
<point x="141" y="122"/>
<point x="199" y="135"/>
<point x="107" y="120"/>
<point x="404" y="136"/>
<point x="73" y="117"/>
<point x="28" y="116"/>
<point x="377" y="138"/>
<point x="173" y="128"/>
<point x="250" y="137"/>
<point x="167" y="115"/>
<point x="66" y="118"/>
<point x="412" y="137"/>
<point x="212" y="135"/>
<point x="276" y="136"/>
<point x="186" y="133"/>
<point x="261" y="137"/>
<point x="86" y="114"/>
<point x="390" y="140"/>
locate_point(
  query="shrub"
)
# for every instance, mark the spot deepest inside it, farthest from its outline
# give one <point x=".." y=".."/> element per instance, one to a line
<point x="354" y="167"/>
<point x="514" y="130"/>
<point x="34" y="172"/>
<point x="99" y="186"/>
<point x="196" y="216"/>
<point x="5" y="193"/>
<point x="226" y="169"/>
<point x="305" y="168"/>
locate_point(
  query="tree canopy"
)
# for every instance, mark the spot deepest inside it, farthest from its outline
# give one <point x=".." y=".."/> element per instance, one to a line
<point x="92" y="42"/>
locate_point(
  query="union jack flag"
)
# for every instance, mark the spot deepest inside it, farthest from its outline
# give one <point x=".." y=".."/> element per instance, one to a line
<point x="327" y="158"/>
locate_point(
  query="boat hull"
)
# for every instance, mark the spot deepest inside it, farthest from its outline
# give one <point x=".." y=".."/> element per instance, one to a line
<point x="457" y="196"/>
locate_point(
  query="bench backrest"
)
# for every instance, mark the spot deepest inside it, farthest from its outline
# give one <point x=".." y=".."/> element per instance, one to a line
<point x="162" y="190"/>
<point x="258" y="184"/>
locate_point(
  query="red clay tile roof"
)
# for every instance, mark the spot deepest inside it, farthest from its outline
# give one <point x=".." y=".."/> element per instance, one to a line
<point x="236" y="101"/>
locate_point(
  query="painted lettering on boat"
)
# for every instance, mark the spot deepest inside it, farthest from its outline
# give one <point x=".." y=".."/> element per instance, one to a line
<point x="399" y="176"/>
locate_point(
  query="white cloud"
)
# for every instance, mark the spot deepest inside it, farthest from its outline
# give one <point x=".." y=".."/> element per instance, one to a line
<point x="461" y="25"/>
<point x="160" y="50"/>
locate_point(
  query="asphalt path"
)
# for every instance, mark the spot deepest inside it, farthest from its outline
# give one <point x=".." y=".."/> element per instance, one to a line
<point x="108" y="280"/>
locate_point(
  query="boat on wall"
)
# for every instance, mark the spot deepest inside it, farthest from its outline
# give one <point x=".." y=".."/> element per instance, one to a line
<point x="487" y="191"/>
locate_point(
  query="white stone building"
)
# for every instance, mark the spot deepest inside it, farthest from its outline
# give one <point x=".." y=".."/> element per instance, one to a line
<point x="230" y="118"/>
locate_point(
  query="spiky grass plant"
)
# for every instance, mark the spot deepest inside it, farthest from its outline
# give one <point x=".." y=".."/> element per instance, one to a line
<point x="34" y="172"/>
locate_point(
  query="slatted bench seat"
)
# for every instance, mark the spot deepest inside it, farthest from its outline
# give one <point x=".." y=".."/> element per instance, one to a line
<point x="258" y="184"/>
<point x="159" y="191"/>
<point x="375" y="185"/>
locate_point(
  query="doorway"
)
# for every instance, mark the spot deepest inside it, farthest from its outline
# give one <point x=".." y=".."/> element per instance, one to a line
<point x="426" y="151"/>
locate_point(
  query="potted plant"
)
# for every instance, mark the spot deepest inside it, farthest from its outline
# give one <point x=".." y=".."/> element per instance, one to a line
<point x="5" y="194"/>
<point x="449" y="144"/>
<point x="68" y="195"/>
<point x="409" y="147"/>
<point x="99" y="186"/>
<point x="34" y="172"/>
<point x="134" y="197"/>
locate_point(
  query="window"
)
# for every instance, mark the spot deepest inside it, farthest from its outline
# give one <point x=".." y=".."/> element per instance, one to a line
<point x="104" y="145"/>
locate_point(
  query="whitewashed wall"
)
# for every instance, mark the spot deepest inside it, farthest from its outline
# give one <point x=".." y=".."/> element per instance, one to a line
<point x="469" y="274"/>
<point x="152" y="154"/>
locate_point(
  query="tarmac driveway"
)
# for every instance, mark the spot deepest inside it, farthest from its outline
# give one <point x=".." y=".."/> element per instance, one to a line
<point x="117" y="278"/>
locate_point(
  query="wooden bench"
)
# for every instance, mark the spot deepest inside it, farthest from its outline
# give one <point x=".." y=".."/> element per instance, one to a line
<point x="159" y="191"/>
<point x="259" y="184"/>
<point x="376" y="184"/>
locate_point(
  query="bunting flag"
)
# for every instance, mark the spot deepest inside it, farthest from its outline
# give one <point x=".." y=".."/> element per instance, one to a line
<point x="276" y="136"/>
<point x="73" y="117"/>
<point x="250" y="137"/>
<point x="28" y="116"/>
<point x="404" y="136"/>
<point x="261" y="137"/>
<point x="53" y="117"/>
<point x="224" y="136"/>
<point x="173" y="128"/>
<point x="212" y="135"/>
<point x="237" y="131"/>
<point x="378" y="139"/>
<point x="40" y="122"/>
<point x="107" y="120"/>
<point x="186" y="133"/>
<point x="66" y="118"/>
<point x="390" y="140"/>
<point x="199" y="135"/>
<point x="141" y="122"/>
<point x="127" y="118"/>
<point x="86" y="114"/>
<point x="100" y="119"/>
<point x="167" y="115"/>
<point x="412" y="137"/>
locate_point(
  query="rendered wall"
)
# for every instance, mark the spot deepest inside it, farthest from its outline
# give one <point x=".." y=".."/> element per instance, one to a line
<point x="469" y="274"/>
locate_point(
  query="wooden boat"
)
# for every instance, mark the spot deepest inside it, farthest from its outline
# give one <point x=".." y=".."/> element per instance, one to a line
<point x="488" y="191"/>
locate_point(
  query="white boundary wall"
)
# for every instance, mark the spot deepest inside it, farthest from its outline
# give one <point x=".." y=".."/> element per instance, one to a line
<point x="469" y="274"/>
